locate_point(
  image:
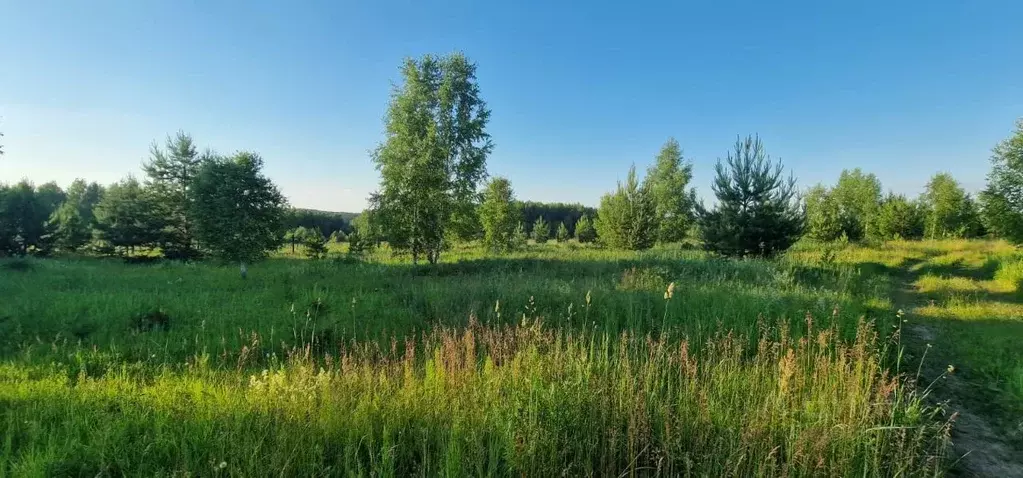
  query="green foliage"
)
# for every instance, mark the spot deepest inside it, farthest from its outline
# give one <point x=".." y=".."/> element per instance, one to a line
<point x="666" y="182"/>
<point x="627" y="218"/>
<point x="541" y="231"/>
<point x="899" y="218"/>
<point x="327" y="222"/>
<point x="949" y="211"/>
<point x="858" y="197"/>
<point x="434" y="154"/>
<point x="23" y="213"/>
<point x="500" y="214"/>
<point x="584" y="230"/>
<point x="1002" y="199"/>
<point x="238" y="213"/>
<point x="554" y="212"/>
<point x="128" y="217"/>
<point x="338" y="236"/>
<point x="562" y="234"/>
<point x="823" y="215"/>
<point x="315" y="244"/>
<point x="757" y="213"/>
<point x="69" y="230"/>
<point x="358" y="244"/>
<point x="520" y="238"/>
<point x="171" y="171"/>
<point x="368" y="225"/>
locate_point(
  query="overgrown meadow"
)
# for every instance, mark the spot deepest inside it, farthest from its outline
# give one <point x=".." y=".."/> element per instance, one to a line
<point x="556" y="360"/>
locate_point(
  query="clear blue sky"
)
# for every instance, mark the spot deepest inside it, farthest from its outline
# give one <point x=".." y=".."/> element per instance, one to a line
<point x="578" y="91"/>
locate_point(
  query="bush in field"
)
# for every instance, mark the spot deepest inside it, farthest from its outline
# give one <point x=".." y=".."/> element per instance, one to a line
<point x="584" y="230"/>
<point x="562" y="234"/>
<point x="541" y="231"/>
<point x="757" y="213"/>
<point x="338" y="236"/>
<point x="899" y="218"/>
<point x="823" y="215"/>
<point x="627" y="218"/>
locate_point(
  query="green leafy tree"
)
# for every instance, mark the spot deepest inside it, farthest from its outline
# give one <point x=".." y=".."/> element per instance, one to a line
<point x="541" y="231"/>
<point x="858" y="197"/>
<point x="899" y="218"/>
<point x="127" y="217"/>
<point x="758" y="212"/>
<point x="338" y="236"/>
<point x="315" y="244"/>
<point x="500" y="215"/>
<point x="949" y="210"/>
<point x="238" y="212"/>
<point x="823" y="215"/>
<point x="368" y="225"/>
<point x="1002" y="199"/>
<point x="667" y="181"/>
<point x="358" y="244"/>
<point x="434" y="154"/>
<point x="561" y="234"/>
<point x="584" y="230"/>
<point x="627" y="218"/>
<point x="171" y="171"/>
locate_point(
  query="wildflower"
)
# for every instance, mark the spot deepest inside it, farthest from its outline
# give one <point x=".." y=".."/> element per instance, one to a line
<point x="951" y="368"/>
<point x="587" y="298"/>
<point x="899" y="313"/>
<point x="222" y="465"/>
<point x="670" y="291"/>
<point x="497" y="307"/>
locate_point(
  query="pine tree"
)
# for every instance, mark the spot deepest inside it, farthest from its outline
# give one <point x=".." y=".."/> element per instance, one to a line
<point x="127" y="217"/>
<point x="170" y="171"/>
<point x="758" y="212"/>
<point x="541" y="231"/>
<point x="500" y="214"/>
<point x="584" y="230"/>
<point x="666" y="182"/>
<point x="315" y="244"/>
<point x="562" y="234"/>
<point x="627" y="218"/>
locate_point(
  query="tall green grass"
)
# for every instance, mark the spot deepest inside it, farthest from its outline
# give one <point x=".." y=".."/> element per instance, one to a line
<point x="557" y="360"/>
<point x="523" y="400"/>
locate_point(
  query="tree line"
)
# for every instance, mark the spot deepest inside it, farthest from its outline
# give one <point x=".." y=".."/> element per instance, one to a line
<point x="435" y="190"/>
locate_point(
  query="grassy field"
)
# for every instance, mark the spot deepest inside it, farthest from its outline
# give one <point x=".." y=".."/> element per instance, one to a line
<point x="560" y="359"/>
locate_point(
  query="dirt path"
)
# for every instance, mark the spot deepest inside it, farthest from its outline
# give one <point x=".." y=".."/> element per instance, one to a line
<point x="977" y="445"/>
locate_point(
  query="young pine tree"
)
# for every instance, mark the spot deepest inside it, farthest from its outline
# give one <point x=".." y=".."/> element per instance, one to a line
<point x="898" y="218"/>
<point x="627" y="218"/>
<point x="758" y="212"/>
<point x="541" y="231"/>
<point x="315" y="244"/>
<point x="584" y="230"/>
<point x="562" y="235"/>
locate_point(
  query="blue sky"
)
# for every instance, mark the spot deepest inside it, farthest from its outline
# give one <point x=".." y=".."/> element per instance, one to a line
<point x="579" y="92"/>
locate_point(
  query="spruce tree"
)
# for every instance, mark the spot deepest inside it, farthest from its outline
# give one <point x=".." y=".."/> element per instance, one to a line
<point x="758" y="212"/>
